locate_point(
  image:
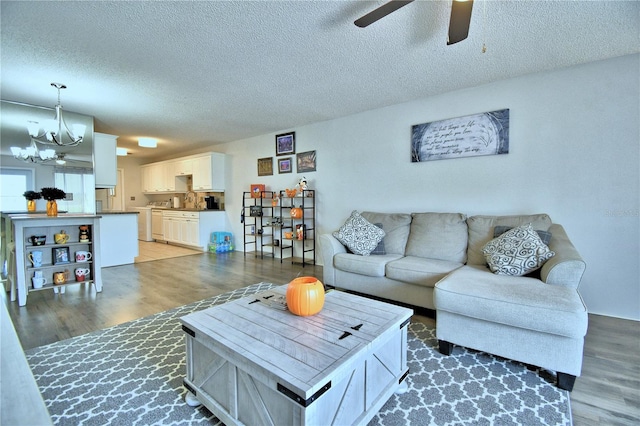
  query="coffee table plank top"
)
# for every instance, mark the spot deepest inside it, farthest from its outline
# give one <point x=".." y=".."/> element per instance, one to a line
<point x="302" y="352"/>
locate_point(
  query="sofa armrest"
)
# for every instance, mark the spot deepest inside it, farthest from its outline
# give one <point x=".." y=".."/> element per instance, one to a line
<point x="329" y="247"/>
<point x="567" y="266"/>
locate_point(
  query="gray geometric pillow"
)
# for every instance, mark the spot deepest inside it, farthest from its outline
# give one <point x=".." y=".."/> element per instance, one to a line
<point x="359" y="235"/>
<point x="516" y="252"/>
<point x="545" y="236"/>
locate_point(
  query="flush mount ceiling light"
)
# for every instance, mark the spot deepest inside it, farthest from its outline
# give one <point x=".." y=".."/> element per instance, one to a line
<point x="32" y="154"/>
<point x="121" y="152"/>
<point x="52" y="131"/>
<point x="147" y="142"/>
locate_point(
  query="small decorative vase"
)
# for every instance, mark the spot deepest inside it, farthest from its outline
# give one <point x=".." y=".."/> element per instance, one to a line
<point x="305" y="296"/>
<point x="31" y="205"/>
<point x="52" y="208"/>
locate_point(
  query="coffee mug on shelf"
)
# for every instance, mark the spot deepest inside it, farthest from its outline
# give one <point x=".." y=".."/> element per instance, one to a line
<point x="38" y="282"/>
<point x="60" y="277"/>
<point x="61" y="238"/>
<point x="37" y="240"/>
<point x="36" y="258"/>
<point x="82" y="274"/>
<point x="83" y="256"/>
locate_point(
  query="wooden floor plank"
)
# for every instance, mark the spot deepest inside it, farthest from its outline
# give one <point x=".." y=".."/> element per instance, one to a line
<point x="608" y="392"/>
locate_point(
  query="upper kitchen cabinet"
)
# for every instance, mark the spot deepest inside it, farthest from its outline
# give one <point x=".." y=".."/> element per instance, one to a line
<point x="208" y="172"/>
<point x="105" y="160"/>
<point x="184" y="167"/>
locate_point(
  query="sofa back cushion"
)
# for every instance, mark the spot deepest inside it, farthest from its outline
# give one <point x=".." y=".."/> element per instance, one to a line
<point x="481" y="231"/>
<point x="441" y="236"/>
<point x="396" y="228"/>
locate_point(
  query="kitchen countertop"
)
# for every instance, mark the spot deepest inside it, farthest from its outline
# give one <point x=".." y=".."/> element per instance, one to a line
<point x="29" y="216"/>
<point x="114" y="212"/>
<point x="185" y="210"/>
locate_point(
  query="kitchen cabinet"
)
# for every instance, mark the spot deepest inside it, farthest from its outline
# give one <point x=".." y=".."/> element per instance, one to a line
<point x="191" y="228"/>
<point x="181" y="227"/>
<point x="105" y="162"/>
<point x="161" y="178"/>
<point x="184" y="167"/>
<point x="208" y="172"/>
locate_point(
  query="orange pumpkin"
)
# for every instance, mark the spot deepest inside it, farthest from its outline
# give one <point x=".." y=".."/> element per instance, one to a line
<point x="296" y="213"/>
<point x="305" y="296"/>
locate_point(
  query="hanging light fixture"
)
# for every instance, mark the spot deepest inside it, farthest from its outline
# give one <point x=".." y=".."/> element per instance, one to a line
<point x="32" y="154"/>
<point x="52" y="130"/>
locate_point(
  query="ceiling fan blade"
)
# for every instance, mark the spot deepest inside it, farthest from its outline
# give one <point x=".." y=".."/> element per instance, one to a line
<point x="460" y="19"/>
<point x="380" y="12"/>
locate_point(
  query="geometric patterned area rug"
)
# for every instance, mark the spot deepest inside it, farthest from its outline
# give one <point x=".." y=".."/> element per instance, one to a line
<point x="131" y="374"/>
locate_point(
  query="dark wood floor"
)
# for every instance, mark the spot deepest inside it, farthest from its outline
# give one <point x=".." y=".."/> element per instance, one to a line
<point x="607" y="393"/>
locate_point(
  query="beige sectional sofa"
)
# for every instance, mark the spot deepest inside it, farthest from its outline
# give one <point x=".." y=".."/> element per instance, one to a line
<point x="435" y="261"/>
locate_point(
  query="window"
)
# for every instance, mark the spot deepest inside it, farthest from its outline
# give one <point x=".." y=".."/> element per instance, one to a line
<point x="13" y="183"/>
<point x="79" y="185"/>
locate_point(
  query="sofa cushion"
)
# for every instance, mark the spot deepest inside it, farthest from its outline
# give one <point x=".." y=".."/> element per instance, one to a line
<point x="396" y="228"/>
<point x="481" y="231"/>
<point x="517" y="252"/>
<point x="441" y="236"/>
<point x="372" y="266"/>
<point x="419" y="270"/>
<point x="517" y="301"/>
<point x="359" y="235"/>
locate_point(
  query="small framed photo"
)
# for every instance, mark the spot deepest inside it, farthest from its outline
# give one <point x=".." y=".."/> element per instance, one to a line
<point x="255" y="211"/>
<point x="286" y="143"/>
<point x="60" y="255"/>
<point x="306" y="162"/>
<point x="284" y="165"/>
<point x="265" y="166"/>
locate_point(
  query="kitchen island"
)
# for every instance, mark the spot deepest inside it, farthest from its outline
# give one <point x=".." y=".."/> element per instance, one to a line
<point x="118" y="238"/>
<point x="58" y="262"/>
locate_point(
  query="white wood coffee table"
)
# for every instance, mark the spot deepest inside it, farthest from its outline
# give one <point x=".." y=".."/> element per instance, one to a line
<point x="251" y="363"/>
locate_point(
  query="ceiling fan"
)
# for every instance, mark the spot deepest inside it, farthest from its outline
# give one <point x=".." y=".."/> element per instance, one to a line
<point x="458" y="23"/>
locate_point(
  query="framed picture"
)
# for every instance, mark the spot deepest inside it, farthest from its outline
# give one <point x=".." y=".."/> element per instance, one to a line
<point x="255" y="211"/>
<point x="286" y="143"/>
<point x="284" y="165"/>
<point x="265" y="166"/>
<point x="306" y="162"/>
<point x="485" y="133"/>
<point x="60" y="255"/>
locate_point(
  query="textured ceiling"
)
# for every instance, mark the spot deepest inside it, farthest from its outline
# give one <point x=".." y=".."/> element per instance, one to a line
<point x="200" y="73"/>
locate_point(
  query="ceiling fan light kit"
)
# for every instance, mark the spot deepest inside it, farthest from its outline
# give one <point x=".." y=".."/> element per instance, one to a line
<point x="458" y="23"/>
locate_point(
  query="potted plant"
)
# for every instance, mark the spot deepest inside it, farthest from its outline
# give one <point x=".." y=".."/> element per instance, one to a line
<point x="31" y="197"/>
<point x="51" y="195"/>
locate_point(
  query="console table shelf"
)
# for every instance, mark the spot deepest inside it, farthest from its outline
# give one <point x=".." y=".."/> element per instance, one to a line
<point x="26" y="225"/>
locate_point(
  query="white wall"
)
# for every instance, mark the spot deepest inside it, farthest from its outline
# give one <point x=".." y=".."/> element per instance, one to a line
<point x="574" y="154"/>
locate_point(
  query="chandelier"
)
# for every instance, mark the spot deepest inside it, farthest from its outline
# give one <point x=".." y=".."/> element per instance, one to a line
<point x="32" y="154"/>
<point x="52" y="130"/>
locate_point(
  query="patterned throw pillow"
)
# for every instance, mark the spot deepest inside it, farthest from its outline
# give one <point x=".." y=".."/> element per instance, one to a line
<point x="545" y="236"/>
<point x="516" y="252"/>
<point x="359" y="235"/>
